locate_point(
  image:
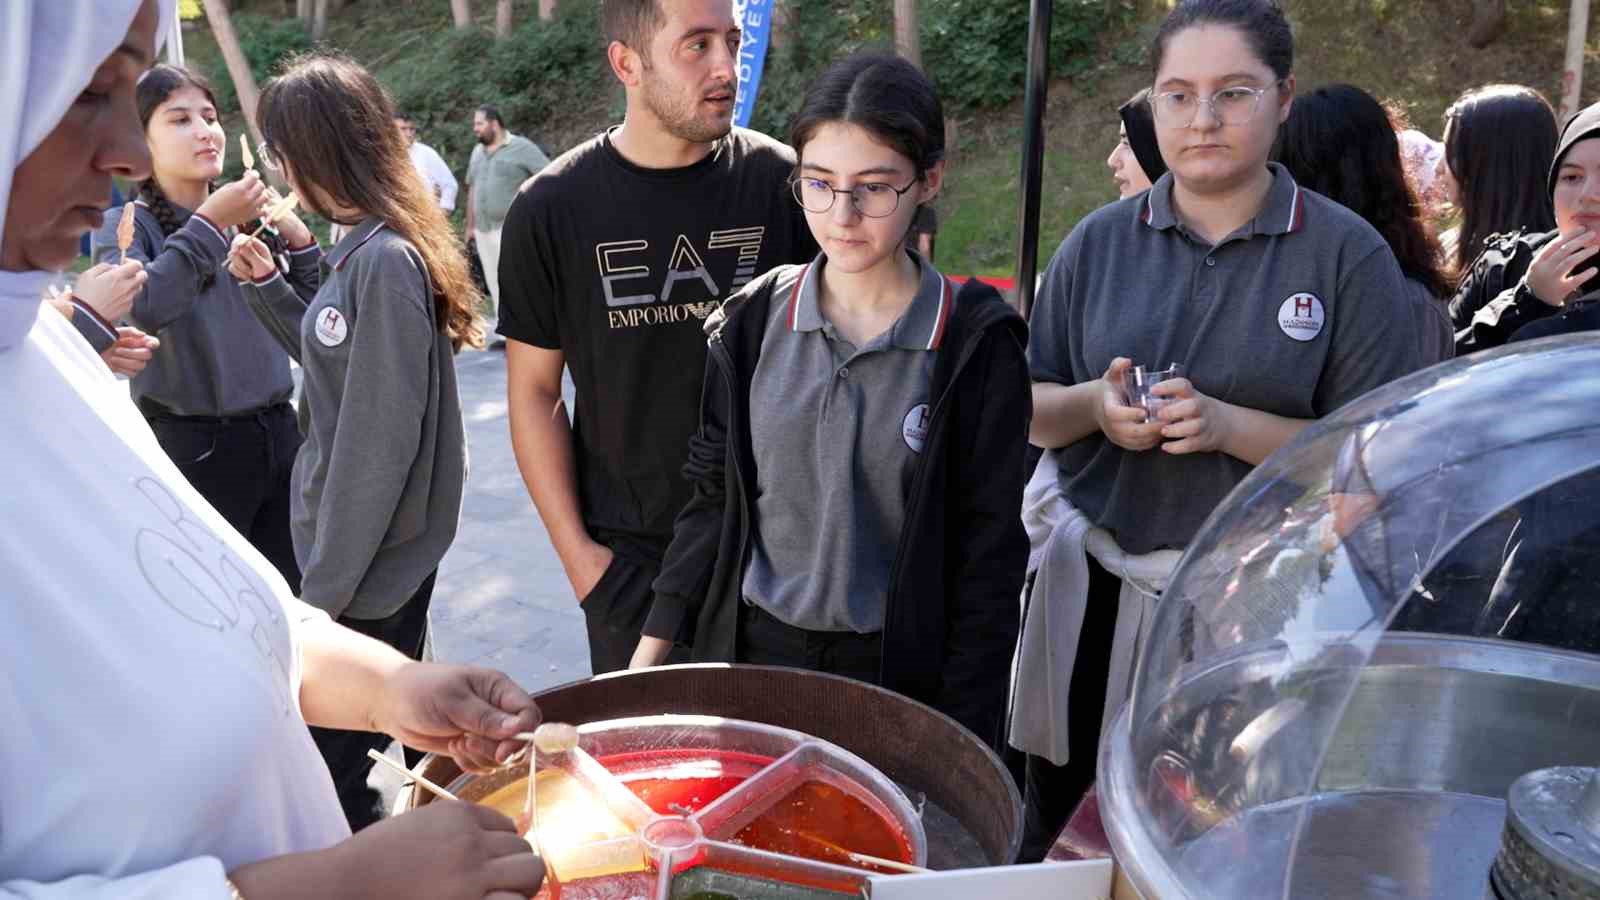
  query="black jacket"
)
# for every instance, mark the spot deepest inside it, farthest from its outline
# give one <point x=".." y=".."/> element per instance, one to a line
<point x="953" y="607"/>
<point x="1494" y="300"/>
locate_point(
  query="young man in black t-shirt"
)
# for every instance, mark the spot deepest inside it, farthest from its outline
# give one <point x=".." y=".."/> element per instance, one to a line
<point x="612" y="258"/>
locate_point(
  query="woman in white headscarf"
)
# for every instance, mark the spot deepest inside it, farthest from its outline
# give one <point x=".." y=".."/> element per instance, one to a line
<point x="157" y="675"/>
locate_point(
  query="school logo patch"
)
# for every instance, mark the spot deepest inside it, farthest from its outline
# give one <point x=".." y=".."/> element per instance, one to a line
<point x="1301" y="317"/>
<point x="914" y="428"/>
<point x="331" y="327"/>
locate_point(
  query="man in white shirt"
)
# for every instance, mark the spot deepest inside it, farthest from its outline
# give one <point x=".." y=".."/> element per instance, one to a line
<point x="435" y="172"/>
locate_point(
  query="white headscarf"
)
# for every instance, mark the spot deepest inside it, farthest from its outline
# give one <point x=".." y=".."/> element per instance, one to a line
<point x="51" y="50"/>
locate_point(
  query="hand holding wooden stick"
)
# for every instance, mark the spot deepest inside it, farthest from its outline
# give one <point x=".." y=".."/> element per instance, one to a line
<point x="277" y="211"/>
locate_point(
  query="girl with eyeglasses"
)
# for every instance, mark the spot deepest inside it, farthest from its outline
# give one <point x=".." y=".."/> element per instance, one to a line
<point x="1278" y="304"/>
<point x="859" y="462"/>
<point x="217" y="392"/>
<point x="378" y="482"/>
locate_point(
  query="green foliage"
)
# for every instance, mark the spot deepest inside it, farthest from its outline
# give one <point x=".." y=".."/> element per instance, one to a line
<point x="266" y="41"/>
<point x="976" y="50"/>
<point x="542" y="72"/>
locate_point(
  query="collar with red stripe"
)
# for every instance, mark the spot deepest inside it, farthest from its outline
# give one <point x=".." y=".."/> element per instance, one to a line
<point x="1284" y="211"/>
<point x="921" y="327"/>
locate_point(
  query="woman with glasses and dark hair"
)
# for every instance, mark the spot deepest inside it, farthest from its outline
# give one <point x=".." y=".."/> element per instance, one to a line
<point x="1278" y="304"/>
<point x="859" y="462"/>
<point x="217" y="392"/>
<point x="1340" y="142"/>
<point x="378" y="483"/>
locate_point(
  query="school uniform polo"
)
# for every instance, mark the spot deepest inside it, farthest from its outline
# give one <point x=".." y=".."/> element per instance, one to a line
<point x="836" y="431"/>
<point x="1299" y="311"/>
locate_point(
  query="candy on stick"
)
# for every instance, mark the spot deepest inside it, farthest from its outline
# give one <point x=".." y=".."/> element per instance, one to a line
<point x="125" y="232"/>
<point x="277" y="211"/>
<point x="245" y="156"/>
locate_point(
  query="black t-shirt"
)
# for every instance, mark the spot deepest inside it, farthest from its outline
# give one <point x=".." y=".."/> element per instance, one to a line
<point x="618" y="266"/>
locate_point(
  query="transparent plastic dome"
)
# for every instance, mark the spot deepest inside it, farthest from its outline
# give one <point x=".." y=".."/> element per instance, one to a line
<point x="1374" y="635"/>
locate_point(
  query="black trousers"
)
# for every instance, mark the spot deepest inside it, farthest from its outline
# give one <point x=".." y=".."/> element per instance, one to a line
<point x="241" y="465"/>
<point x="345" y="752"/>
<point x="765" y="640"/>
<point x="615" y="610"/>
<point x="1052" y="792"/>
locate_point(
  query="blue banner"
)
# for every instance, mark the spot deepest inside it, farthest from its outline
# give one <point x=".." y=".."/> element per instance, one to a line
<point x="755" y="20"/>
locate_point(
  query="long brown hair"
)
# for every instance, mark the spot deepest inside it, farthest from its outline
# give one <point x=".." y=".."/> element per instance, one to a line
<point x="333" y="125"/>
<point x="1498" y="141"/>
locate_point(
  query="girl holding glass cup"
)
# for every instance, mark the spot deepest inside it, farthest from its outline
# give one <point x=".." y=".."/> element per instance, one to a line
<point x="1280" y="305"/>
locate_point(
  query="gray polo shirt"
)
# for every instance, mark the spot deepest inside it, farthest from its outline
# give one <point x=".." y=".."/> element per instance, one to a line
<point x="1298" y="312"/>
<point x="495" y="176"/>
<point x="836" y="432"/>
<point x="376" y="491"/>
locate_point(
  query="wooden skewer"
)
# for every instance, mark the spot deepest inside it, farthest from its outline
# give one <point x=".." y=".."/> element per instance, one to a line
<point x="412" y="776"/>
<point x="886" y="863"/>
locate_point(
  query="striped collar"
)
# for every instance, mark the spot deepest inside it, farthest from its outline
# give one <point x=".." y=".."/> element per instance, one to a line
<point x="1284" y="211"/>
<point x="355" y="240"/>
<point x="921" y="327"/>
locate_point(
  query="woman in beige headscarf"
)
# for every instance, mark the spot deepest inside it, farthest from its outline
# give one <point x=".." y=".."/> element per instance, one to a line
<point x="157" y="675"/>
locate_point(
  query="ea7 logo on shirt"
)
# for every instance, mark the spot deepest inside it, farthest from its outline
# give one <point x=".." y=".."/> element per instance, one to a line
<point x="625" y="274"/>
<point x="1301" y="317"/>
<point x="914" y="428"/>
<point x="331" y="327"/>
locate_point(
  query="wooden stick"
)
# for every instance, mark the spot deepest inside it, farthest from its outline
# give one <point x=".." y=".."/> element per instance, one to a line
<point x="412" y="776"/>
<point x="886" y="863"/>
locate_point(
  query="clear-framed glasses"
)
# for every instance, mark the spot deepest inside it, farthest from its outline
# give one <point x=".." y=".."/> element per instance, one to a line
<point x="1229" y="106"/>
<point x="267" y="158"/>
<point x="872" y="199"/>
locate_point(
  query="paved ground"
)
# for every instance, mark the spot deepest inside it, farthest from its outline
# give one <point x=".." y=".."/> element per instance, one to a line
<point x="502" y="599"/>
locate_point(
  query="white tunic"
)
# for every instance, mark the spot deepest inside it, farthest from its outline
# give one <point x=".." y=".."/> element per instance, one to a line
<point x="150" y="727"/>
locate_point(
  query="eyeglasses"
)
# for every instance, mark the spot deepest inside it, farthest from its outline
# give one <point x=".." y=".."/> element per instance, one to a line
<point x="1229" y="106"/>
<point x="267" y="158"/>
<point x="872" y="199"/>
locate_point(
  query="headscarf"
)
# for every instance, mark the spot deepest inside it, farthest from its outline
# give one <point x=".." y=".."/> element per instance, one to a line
<point x="1139" y="121"/>
<point x="1584" y="125"/>
<point x="51" y="50"/>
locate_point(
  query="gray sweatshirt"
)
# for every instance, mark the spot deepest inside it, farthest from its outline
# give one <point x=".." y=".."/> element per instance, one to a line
<point x="376" y="490"/>
<point x="215" y="358"/>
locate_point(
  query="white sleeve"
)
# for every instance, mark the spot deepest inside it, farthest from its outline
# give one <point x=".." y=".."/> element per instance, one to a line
<point x="200" y="878"/>
<point x="441" y="175"/>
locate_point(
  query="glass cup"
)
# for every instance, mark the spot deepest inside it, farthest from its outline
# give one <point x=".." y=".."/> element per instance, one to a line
<point x="1141" y="380"/>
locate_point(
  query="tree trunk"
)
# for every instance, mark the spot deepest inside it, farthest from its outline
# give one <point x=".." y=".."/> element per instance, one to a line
<point x="502" y="19"/>
<point x="547" y="10"/>
<point x="1572" y="77"/>
<point x="244" y="81"/>
<point x="1488" y="21"/>
<point x="302" y="11"/>
<point x="907" y="41"/>
<point x="319" y="20"/>
<point x="462" y="11"/>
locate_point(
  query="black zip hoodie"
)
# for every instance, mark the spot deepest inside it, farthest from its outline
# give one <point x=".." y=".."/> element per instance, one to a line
<point x="953" y="608"/>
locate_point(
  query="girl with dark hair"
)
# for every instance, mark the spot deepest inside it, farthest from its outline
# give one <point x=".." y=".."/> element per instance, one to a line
<point x="1498" y="143"/>
<point x="1278" y="304"/>
<point x="859" y="462"/>
<point x="217" y="394"/>
<point x="1136" y="161"/>
<point x="1339" y="141"/>
<point x="377" y="485"/>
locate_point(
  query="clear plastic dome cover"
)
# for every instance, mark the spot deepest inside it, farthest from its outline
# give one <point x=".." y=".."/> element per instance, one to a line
<point x="1375" y="634"/>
